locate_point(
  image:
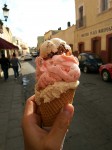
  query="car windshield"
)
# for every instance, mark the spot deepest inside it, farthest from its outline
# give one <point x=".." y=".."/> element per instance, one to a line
<point x="94" y="57"/>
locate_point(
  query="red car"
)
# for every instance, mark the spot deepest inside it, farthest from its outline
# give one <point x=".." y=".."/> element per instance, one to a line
<point x="106" y="71"/>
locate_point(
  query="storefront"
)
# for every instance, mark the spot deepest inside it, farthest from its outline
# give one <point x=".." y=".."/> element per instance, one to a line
<point x="94" y="28"/>
<point x="5" y="47"/>
<point x="97" y="40"/>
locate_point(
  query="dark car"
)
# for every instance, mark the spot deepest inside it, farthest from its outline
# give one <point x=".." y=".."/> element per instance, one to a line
<point x="89" y="62"/>
<point x="106" y="72"/>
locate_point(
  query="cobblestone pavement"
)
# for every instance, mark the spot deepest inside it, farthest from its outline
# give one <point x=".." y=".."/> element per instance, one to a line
<point x="91" y="128"/>
<point x="11" y="110"/>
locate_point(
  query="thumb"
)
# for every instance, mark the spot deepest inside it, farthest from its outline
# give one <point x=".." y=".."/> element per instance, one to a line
<point x="61" y="124"/>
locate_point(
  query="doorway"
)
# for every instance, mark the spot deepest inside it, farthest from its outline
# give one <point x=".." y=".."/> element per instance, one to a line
<point x="81" y="47"/>
<point x="110" y="49"/>
<point x="96" y="45"/>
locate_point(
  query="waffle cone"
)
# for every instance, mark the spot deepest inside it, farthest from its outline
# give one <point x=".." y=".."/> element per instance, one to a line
<point x="50" y="110"/>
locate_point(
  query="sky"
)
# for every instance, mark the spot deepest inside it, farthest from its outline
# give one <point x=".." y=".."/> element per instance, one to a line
<point x="29" y="19"/>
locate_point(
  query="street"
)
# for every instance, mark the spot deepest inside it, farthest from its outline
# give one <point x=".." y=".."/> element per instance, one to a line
<point x="91" y="127"/>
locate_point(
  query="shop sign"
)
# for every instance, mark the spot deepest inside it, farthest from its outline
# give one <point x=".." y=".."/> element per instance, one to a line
<point x="97" y="31"/>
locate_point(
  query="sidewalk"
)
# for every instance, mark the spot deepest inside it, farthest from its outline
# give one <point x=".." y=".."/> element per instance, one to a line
<point x="11" y="110"/>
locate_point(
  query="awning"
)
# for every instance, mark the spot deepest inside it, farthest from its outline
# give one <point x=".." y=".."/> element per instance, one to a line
<point x="7" y="45"/>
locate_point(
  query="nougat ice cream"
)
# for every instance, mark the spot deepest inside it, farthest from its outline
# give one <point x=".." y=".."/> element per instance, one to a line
<point x="57" y="76"/>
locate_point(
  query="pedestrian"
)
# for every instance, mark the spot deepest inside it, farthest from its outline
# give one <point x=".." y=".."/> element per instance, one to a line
<point x="5" y="63"/>
<point x="35" y="137"/>
<point x="15" y="64"/>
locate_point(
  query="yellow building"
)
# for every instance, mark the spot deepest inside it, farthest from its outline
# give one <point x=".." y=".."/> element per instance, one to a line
<point x="93" y="31"/>
<point x="40" y="40"/>
<point x="48" y="35"/>
<point x="66" y="35"/>
<point x="7" y="35"/>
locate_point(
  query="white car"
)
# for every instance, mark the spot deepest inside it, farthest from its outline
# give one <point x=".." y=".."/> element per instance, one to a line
<point x="35" y="54"/>
<point x="26" y="57"/>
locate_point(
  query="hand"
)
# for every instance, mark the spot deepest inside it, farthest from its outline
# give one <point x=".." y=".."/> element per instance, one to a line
<point x="36" y="138"/>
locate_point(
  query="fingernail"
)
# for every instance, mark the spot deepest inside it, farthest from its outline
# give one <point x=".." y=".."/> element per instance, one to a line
<point x="68" y="110"/>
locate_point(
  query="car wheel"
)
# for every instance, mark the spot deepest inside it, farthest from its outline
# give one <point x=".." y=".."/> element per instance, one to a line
<point x="105" y="75"/>
<point x="85" y="69"/>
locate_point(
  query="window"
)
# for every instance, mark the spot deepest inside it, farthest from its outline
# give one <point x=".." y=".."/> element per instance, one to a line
<point x="104" y="5"/>
<point x="84" y="58"/>
<point x="81" y="16"/>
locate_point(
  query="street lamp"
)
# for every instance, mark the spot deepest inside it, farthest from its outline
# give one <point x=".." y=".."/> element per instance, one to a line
<point x="5" y="13"/>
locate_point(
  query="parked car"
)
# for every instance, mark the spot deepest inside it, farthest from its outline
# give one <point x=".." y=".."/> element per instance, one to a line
<point x="26" y="57"/>
<point x="35" y="54"/>
<point x="89" y="62"/>
<point x="106" y="71"/>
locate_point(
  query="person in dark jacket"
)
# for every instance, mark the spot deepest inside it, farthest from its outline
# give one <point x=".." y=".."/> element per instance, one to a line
<point x="5" y="63"/>
<point x="15" y="65"/>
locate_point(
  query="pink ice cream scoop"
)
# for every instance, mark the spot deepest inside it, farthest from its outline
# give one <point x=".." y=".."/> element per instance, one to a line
<point x="58" y="68"/>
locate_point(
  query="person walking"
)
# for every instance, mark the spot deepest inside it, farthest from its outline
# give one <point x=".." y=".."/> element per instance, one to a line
<point x="15" y="65"/>
<point x="5" y="63"/>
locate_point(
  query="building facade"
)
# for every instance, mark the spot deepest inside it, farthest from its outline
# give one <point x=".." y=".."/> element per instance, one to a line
<point x="66" y="35"/>
<point x="93" y="31"/>
<point x="48" y="35"/>
<point x="6" y="34"/>
<point x="40" y="40"/>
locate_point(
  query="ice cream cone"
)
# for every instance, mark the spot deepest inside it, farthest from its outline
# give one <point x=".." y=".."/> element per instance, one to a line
<point x="50" y="110"/>
<point x="57" y="75"/>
